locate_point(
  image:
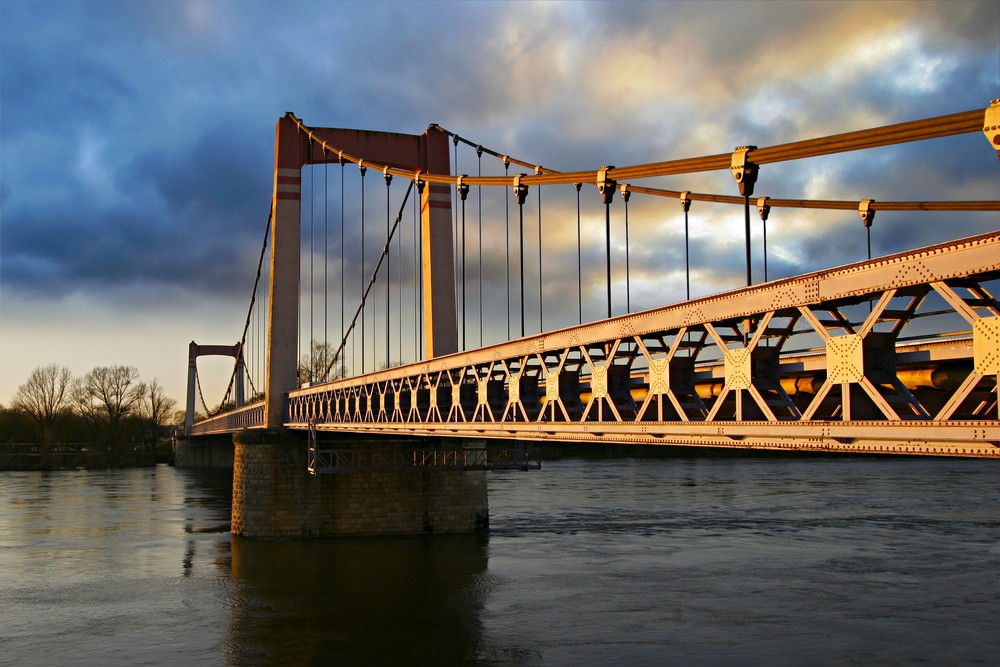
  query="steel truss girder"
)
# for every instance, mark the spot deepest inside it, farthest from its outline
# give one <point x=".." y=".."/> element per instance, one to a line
<point x="249" y="416"/>
<point x="393" y="459"/>
<point x="632" y="378"/>
<point x="971" y="438"/>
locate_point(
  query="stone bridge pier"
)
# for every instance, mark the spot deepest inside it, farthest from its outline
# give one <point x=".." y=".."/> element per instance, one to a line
<point x="275" y="496"/>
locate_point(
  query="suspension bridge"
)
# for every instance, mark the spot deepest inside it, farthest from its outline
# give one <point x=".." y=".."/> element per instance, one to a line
<point x="434" y="340"/>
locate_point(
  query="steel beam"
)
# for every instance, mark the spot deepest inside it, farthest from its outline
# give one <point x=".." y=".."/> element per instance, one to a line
<point x="593" y="382"/>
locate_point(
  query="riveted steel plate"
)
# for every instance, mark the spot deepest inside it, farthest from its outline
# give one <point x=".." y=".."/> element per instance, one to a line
<point x="986" y="345"/>
<point x="845" y="360"/>
<point x="739" y="374"/>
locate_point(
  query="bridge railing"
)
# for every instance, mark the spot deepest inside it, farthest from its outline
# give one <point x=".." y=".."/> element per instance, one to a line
<point x="897" y="354"/>
<point x="248" y="417"/>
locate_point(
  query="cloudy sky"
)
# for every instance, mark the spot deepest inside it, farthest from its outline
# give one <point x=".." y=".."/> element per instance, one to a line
<point x="137" y="139"/>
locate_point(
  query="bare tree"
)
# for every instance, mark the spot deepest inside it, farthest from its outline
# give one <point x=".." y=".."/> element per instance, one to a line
<point x="111" y="393"/>
<point x="44" y="397"/>
<point x="179" y="417"/>
<point x="312" y="367"/>
<point x="155" y="409"/>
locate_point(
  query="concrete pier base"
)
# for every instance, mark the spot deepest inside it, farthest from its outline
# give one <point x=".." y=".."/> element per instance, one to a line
<point x="213" y="452"/>
<point x="275" y="497"/>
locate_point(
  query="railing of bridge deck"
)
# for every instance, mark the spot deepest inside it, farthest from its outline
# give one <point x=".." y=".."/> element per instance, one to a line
<point x="720" y="370"/>
<point x="248" y="417"/>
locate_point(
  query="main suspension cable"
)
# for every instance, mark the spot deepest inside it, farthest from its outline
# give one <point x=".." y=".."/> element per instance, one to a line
<point x="930" y="128"/>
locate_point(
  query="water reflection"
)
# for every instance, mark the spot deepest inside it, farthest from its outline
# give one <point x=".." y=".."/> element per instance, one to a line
<point x="793" y="560"/>
<point x="389" y="600"/>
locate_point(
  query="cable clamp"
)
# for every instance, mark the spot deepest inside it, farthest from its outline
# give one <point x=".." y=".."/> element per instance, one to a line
<point x="479" y="150"/>
<point x="419" y="182"/>
<point x="867" y="212"/>
<point x="505" y="160"/>
<point x="685" y="201"/>
<point x="605" y="185"/>
<point x="520" y="189"/>
<point x="625" y="191"/>
<point x="744" y="170"/>
<point x="538" y="170"/>
<point x="463" y="189"/>
<point x="361" y="167"/>
<point x="578" y="186"/>
<point x="763" y="207"/>
<point x="387" y="176"/>
<point x="340" y="157"/>
<point x="991" y="125"/>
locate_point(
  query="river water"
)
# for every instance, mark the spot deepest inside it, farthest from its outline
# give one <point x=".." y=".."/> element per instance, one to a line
<point x="643" y="561"/>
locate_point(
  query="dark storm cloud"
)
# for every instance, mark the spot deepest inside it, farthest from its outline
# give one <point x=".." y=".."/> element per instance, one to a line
<point x="180" y="216"/>
<point x="138" y="137"/>
<point x="106" y="186"/>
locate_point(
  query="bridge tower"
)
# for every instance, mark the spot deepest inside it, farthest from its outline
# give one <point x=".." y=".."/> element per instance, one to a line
<point x="194" y="351"/>
<point x="428" y="153"/>
<point x="274" y="496"/>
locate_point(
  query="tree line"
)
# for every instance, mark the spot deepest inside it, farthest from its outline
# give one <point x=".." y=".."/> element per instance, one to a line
<point x="110" y="408"/>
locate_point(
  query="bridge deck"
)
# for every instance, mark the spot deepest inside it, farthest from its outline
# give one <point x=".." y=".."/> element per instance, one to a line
<point x="899" y="354"/>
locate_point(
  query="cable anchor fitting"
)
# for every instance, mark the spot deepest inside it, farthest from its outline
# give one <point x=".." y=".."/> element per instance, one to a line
<point x="387" y="176"/>
<point x="685" y="201"/>
<point x="463" y="188"/>
<point x="867" y="212"/>
<point x="419" y="182"/>
<point x="626" y="193"/>
<point x="991" y="125"/>
<point x="520" y="190"/>
<point x="362" y="168"/>
<point x="605" y="185"/>
<point x="763" y="207"/>
<point x="744" y="170"/>
<point x="506" y="161"/>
